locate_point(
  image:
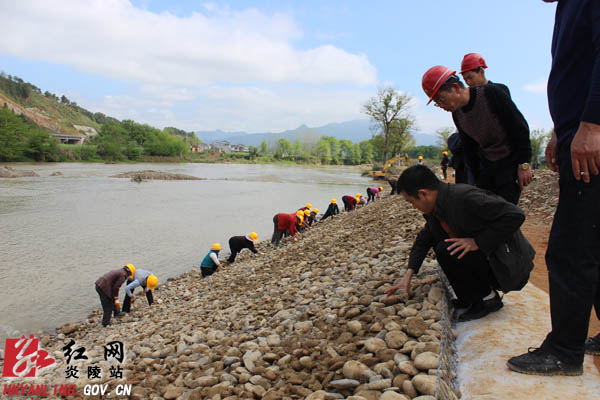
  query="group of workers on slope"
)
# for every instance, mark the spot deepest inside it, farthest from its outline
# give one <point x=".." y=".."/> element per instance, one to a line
<point x="108" y="285"/>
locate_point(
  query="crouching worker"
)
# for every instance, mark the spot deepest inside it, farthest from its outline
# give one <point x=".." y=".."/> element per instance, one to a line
<point x="332" y="210"/>
<point x="349" y="202"/>
<point x="469" y="229"/>
<point x="285" y="222"/>
<point x="238" y="243"/>
<point x="210" y="264"/>
<point x="312" y="218"/>
<point x="373" y="193"/>
<point x="108" y="286"/>
<point x="141" y="278"/>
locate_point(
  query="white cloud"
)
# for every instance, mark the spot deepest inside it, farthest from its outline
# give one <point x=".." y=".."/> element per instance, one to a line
<point x="430" y="118"/>
<point x="233" y="108"/>
<point x="538" y="86"/>
<point x="113" y="38"/>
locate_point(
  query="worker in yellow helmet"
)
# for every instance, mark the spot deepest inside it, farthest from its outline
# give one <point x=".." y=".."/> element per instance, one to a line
<point x="360" y="200"/>
<point x="144" y="279"/>
<point x="312" y="218"/>
<point x="210" y="264"/>
<point x="373" y="193"/>
<point x="421" y="162"/>
<point x="444" y="164"/>
<point x="238" y="243"/>
<point x="332" y="210"/>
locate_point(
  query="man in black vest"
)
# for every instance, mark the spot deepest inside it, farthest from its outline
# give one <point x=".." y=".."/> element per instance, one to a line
<point x="493" y="132"/>
<point x="464" y="225"/>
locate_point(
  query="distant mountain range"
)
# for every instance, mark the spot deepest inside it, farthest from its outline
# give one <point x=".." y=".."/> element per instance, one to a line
<point x="357" y="131"/>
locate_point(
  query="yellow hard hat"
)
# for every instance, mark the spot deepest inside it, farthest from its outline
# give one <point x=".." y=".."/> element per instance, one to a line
<point x="358" y="199"/>
<point x="333" y="201"/>
<point x="308" y="205"/>
<point x="300" y="214"/>
<point x="316" y="210"/>
<point x="358" y="195"/>
<point x="420" y="157"/>
<point x="253" y="236"/>
<point x="445" y="153"/>
<point x="307" y="212"/>
<point x="152" y="281"/>
<point x="131" y="269"/>
<point x="381" y="188"/>
<point x="216" y="246"/>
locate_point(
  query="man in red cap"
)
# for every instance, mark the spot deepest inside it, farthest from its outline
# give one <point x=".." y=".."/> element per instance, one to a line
<point x="493" y="132"/>
<point x="472" y="71"/>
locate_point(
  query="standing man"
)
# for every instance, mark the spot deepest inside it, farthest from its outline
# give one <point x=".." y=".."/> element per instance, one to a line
<point x="573" y="254"/>
<point x="465" y="226"/>
<point x="472" y="71"/>
<point x="238" y="243"/>
<point x="332" y="210"/>
<point x="444" y="165"/>
<point x="490" y="124"/>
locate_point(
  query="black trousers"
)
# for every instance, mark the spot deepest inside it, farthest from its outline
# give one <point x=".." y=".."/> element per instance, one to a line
<point x="208" y="271"/>
<point x="127" y="300"/>
<point x="108" y="307"/>
<point x="445" y="172"/>
<point x="573" y="260"/>
<point x="326" y="215"/>
<point x="277" y="234"/>
<point x="501" y="180"/>
<point x="370" y="195"/>
<point x="471" y="277"/>
<point x="347" y="204"/>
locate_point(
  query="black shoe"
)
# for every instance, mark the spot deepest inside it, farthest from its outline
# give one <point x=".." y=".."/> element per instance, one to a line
<point x="540" y="362"/>
<point x="458" y="303"/>
<point x="592" y="345"/>
<point x="482" y="308"/>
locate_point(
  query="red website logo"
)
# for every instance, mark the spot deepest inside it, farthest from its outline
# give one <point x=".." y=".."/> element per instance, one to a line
<point x="23" y="358"/>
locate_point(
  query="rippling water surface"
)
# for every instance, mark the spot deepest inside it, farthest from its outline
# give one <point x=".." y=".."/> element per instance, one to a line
<point x="59" y="234"/>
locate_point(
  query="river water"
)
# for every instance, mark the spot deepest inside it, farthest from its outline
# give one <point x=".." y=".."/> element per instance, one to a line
<point x="59" y="234"/>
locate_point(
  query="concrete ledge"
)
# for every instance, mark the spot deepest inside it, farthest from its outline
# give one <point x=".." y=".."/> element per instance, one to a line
<point x="484" y="346"/>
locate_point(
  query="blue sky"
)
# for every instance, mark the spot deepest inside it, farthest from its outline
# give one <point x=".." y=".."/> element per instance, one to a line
<point x="269" y="65"/>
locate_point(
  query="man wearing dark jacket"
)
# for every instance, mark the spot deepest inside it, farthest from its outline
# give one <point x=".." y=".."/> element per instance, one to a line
<point x="464" y="225"/>
<point x="238" y="243"/>
<point x="108" y="286"/>
<point x="573" y="254"/>
<point x="332" y="210"/>
<point x="493" y="132"/>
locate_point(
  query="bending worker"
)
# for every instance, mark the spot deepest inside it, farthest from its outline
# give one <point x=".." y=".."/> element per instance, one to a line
<point x="332" y="210"/>
<point x="373" y="193"/>
<point x="144" y="279"/>
<point x="349" y="203"/>
<point x="238" y="243"/>
<point x="210" y="264"/>
<point x="313" y="216"/>
<point x="285" y="222"/>
<point x="108" y="286"/>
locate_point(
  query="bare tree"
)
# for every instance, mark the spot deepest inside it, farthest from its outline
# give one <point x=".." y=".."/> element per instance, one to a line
<point x="387" y="108"/>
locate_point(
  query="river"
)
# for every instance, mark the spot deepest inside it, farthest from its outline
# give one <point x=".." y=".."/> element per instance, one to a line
<point x="60" y="233"/>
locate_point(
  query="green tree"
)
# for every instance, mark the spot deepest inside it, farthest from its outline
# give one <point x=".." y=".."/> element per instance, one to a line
<point x="366" y="151"/>
<point x="323" y="151"/>
<point x="539" y="138"/>
<point x="356" y="154"/>
<point x="346" y="147"/>
<point x="264" y="147"/>
<point x="283" y="149"/>
<point x="388" y="107"/>
<point x="442" y="136"/>
<point x="252" y="152"/>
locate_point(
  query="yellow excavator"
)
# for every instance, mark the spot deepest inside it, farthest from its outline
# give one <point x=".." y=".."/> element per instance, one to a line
<point x="383" y="172"/>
